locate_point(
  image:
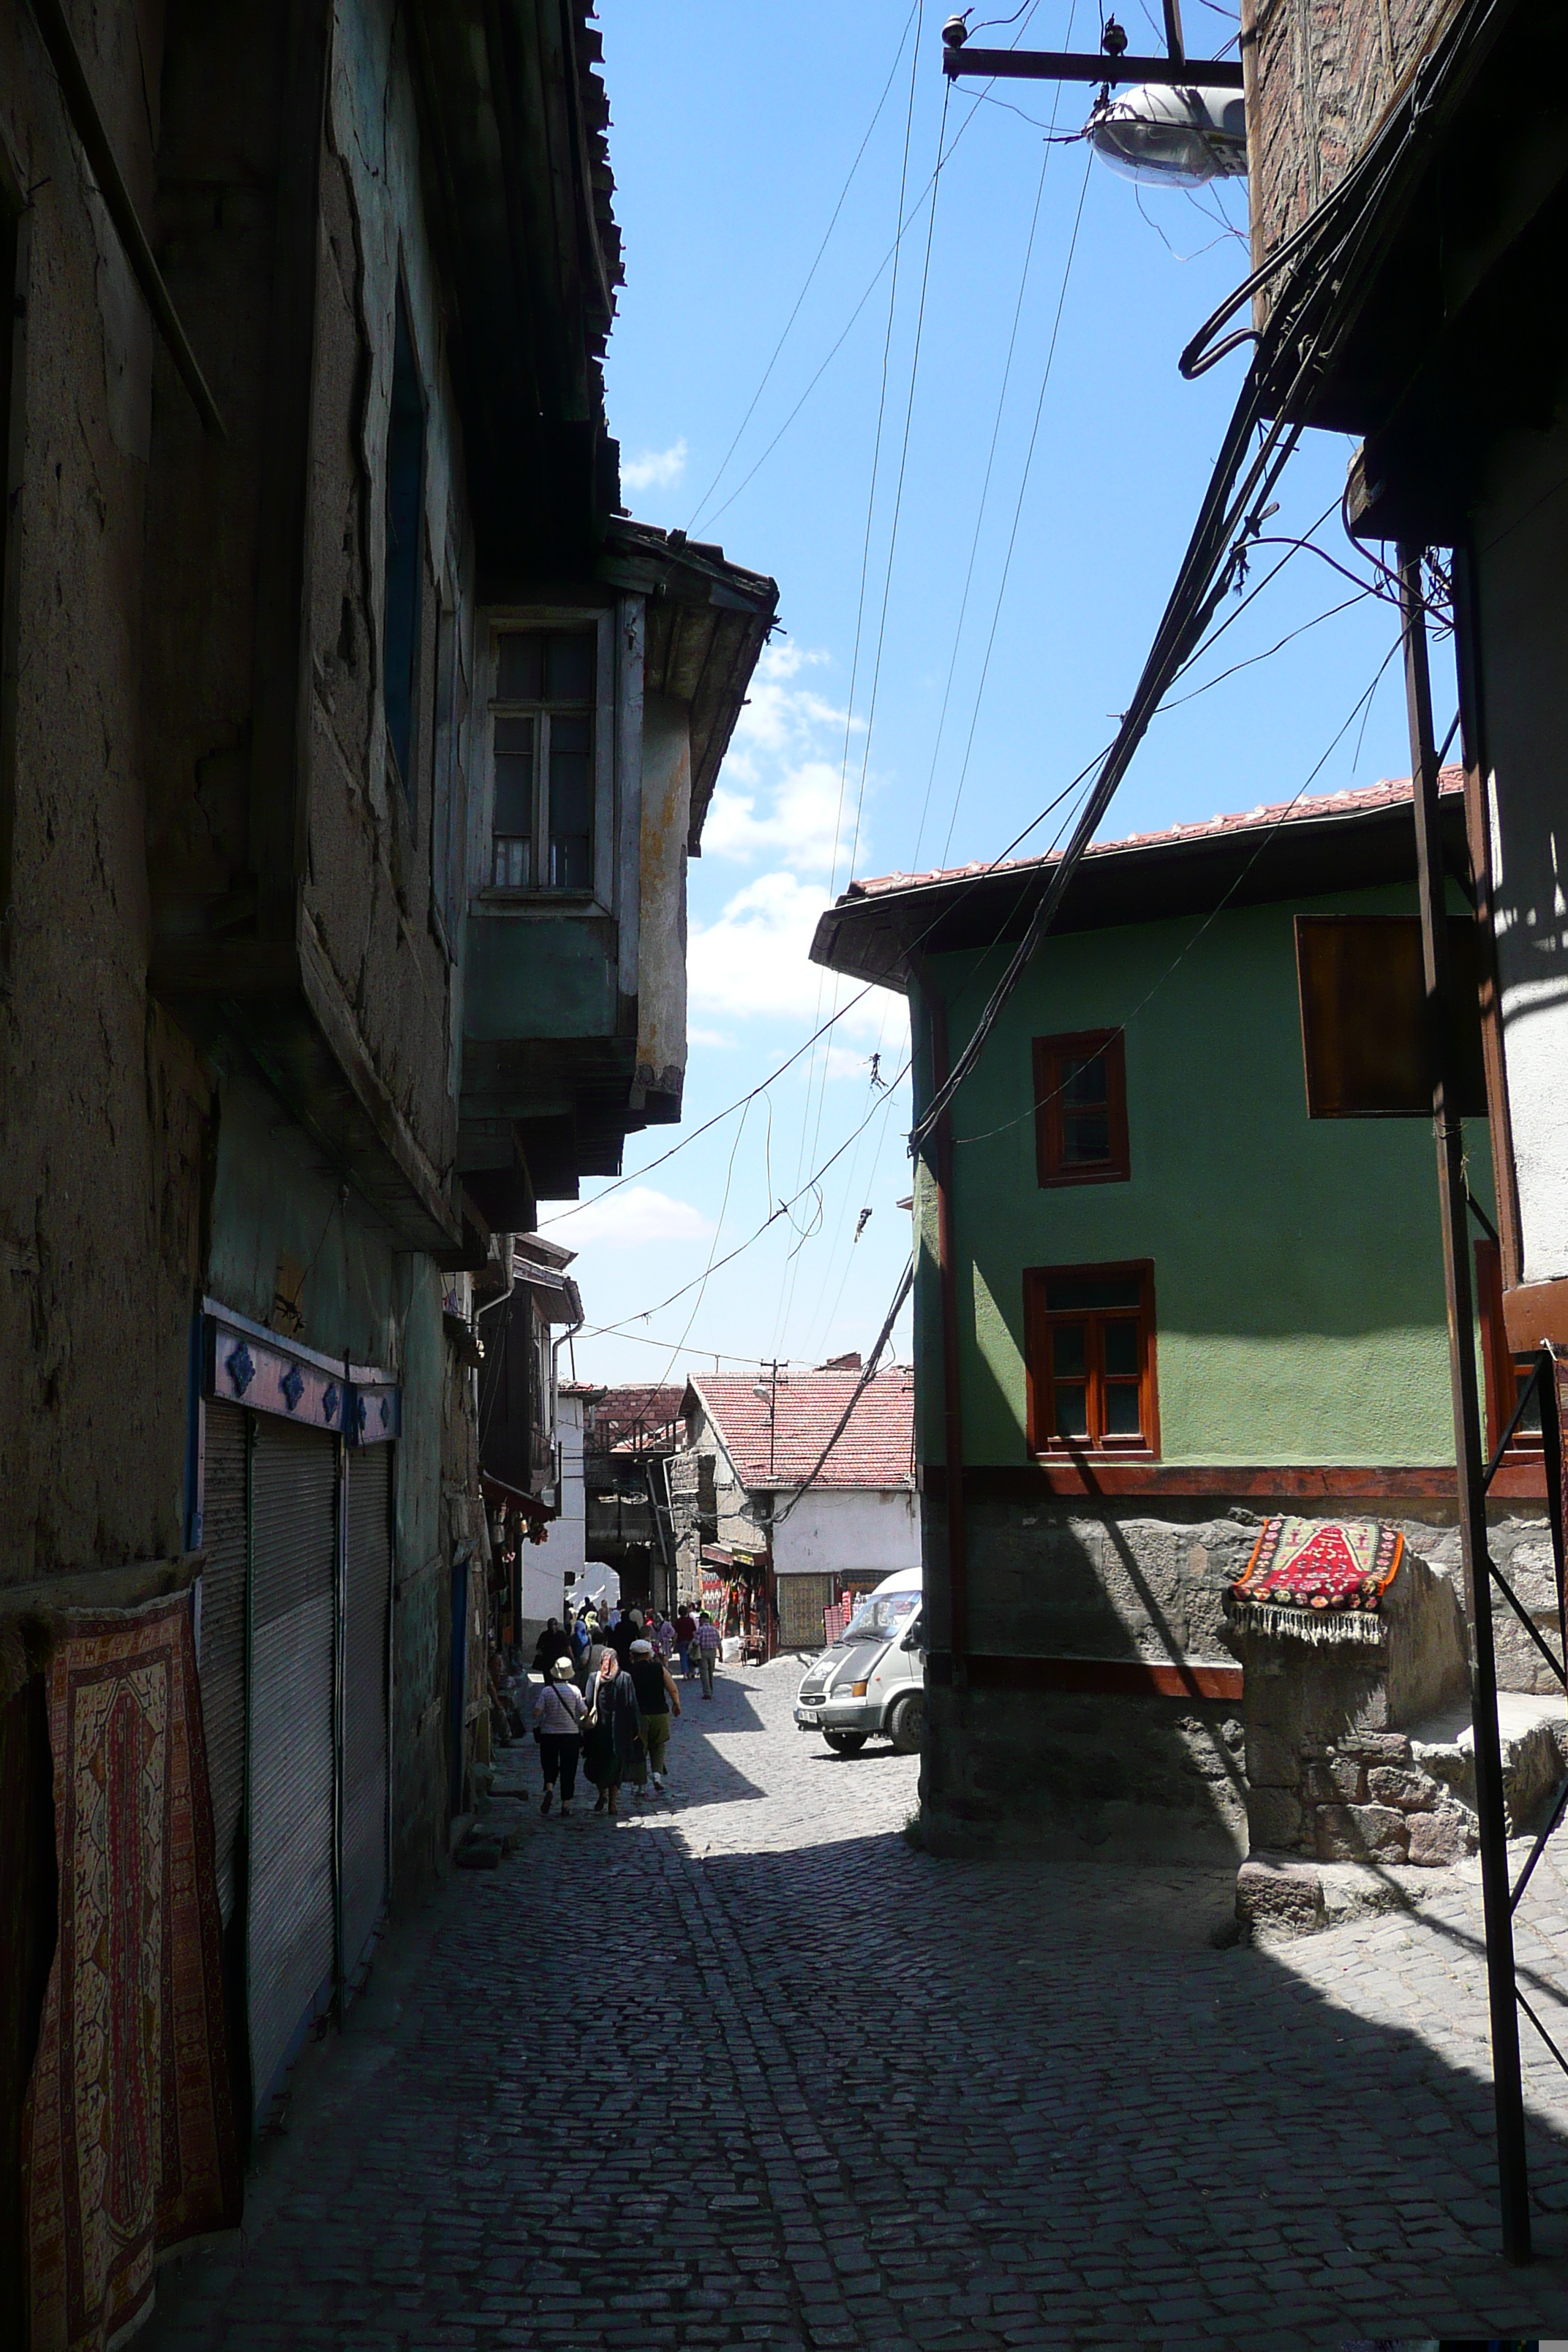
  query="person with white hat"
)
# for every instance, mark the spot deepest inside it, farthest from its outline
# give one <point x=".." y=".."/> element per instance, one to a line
<point x="558" y="1713"/>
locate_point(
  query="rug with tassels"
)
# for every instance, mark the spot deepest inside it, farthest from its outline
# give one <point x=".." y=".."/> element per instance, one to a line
<point x="1317" y="1579"/>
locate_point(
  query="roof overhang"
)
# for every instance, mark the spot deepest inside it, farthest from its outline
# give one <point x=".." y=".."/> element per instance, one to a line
<point x="874" y="934"/>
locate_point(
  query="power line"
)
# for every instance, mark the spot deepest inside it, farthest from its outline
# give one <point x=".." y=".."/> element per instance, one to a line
<point x="811" y="273"/>
<point x="1018" y="509"/>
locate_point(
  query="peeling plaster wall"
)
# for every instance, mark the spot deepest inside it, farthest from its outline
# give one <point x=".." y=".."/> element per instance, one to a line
<point x="661" y="947"/>
<point x="369" y="885"/>
<point x="101" y="1099"/>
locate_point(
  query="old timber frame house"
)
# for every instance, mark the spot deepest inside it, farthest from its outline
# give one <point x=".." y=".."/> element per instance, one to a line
<point x="352" y="743"/>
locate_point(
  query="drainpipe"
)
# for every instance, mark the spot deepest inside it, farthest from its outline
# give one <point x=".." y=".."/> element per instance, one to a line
<point x="952" y="1363"/>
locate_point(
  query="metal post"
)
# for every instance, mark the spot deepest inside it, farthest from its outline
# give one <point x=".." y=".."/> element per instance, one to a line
<point x="952" y="1355"/>
<point x="1507" y="2095"/>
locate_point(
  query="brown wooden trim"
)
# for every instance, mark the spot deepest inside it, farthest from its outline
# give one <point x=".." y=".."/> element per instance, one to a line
<point x="1046" y="1053"/>
<point x="1535" y="1315"/>
<point x="1501" y="1381"/>
<point x="1477" y="829"/>
<point x="952" y="1356"/>
<point x="1223" y="1482"/>
<point x="1094" y="1677"/>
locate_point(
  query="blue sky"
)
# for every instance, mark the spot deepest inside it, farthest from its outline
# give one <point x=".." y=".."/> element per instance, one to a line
<point x="734" y="128"/>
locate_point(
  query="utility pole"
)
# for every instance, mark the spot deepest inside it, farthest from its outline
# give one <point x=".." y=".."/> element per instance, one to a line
<point x="1508" y="2095"/>
<point x="1112" y="64"/>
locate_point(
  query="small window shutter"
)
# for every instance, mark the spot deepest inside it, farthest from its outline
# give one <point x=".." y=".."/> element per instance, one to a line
<point x="1363" y="1016"/>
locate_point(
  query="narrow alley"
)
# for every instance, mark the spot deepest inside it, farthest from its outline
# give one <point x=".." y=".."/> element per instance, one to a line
<point x="750" y="2068"/>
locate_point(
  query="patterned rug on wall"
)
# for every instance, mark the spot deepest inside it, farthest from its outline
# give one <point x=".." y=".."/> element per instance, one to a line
<point x="129" y="2146"/>
<point x="1317" y="1579"/>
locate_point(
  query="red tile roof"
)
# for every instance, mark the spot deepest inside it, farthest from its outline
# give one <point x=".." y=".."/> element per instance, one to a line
<point x="635" y="1419"/>
<point x="877" y="1449"/>
<point x="1350" y="803"/>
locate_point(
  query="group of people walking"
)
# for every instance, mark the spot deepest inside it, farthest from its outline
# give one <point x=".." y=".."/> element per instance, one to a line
<point x="609" y="1699"/>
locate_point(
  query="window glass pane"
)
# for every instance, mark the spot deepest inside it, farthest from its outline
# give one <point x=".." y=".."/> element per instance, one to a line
<point x="1120" y="1344"/>
<point x="1071" y="1400"/>
<point x="571" y="804"/>
<point x="519" y="666"/>
<point x="1121" y="1409"/>
<point x="1077" y="1294"/>
<point x="1083" y="1081"/>
<point x="513" y="776"/>
<point x="1067" y="1360"/>
<point x="1529" y="1423"/>
<point x="512" y="863"/>
<point x="1086" y="1138"/>
<point x="572" y="667"/>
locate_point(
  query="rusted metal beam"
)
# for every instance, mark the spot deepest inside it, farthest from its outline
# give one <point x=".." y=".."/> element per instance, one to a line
<point x="1067" y="65"/>
<point x="88" y="124"/>
<point x="1513" y="2184"/>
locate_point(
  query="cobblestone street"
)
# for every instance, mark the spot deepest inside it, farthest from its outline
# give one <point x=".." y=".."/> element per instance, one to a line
<point x="751" y="2069"/>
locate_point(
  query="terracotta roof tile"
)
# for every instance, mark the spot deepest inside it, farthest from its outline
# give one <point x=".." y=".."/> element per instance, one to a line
<point x="1357" y="800"/>
<point x="875" y="1450"/>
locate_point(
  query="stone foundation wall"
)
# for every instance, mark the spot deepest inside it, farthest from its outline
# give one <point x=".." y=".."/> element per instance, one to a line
<point x="1289" y="1767"/>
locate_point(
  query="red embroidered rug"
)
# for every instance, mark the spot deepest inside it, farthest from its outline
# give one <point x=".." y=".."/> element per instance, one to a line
<point x="129" y="2142"/>
<point x="1318" y="1580"/>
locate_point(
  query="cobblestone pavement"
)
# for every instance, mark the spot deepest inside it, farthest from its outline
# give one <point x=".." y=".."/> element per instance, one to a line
<point x="907" y="2102"/>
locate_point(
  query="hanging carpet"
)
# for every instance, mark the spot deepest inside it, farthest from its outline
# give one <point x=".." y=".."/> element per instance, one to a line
<point x="1317" y="1579"/>
<point x="129" y="2142"/>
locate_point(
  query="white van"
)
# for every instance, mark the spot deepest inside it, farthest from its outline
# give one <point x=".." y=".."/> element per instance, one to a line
<point x="873" y="1678"/>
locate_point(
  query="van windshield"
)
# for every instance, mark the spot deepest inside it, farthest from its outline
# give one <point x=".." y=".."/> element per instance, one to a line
<point x="883" y="1619"/>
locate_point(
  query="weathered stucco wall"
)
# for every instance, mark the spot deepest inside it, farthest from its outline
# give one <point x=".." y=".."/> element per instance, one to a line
<point x="1320" y="82"/>
<point x="1297" y="1278"/>
<point x="841" y="1532"/>
<point x="1521" y="598"/>
<point x="101" y="1099"/>
<point x="369" y="888"/>
<point x="661" y="950"/>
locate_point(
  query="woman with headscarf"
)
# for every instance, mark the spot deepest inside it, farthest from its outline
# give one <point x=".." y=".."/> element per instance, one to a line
<point x="657" y="1695"/>
<point x="612" y="1730"/>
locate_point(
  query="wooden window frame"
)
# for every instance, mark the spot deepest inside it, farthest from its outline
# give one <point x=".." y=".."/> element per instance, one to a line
<point x="589" y="619"/>
<point x="1048" y="1054"/>
<point x="1039" y="1321"/>
<point x="1503" y="1377"/>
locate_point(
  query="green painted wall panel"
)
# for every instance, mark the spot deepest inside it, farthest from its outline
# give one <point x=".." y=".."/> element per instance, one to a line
<point x="545" y="978"/>
<point x="1299" y="1284"/>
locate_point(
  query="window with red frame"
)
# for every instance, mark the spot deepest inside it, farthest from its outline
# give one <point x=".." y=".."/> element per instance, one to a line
<point x="1506" y="1373"/>
<point x="1090" y="1337"/>
<point x="1080" y="1109"/>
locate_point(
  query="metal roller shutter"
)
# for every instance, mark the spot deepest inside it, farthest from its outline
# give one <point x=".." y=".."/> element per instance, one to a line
<point x="365" y="1697"/>
<point x="801" y="1600"/>
<point x="293" y="1597"/>
<point x="223" y="1632"/>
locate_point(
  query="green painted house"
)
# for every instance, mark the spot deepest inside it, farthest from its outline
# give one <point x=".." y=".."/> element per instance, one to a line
<point x="1178" y="1267"/>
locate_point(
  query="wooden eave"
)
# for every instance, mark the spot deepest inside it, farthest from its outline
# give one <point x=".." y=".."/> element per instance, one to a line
<point x="876" y="935"/>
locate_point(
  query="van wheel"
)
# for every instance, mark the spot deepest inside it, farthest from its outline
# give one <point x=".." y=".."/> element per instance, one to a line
<point x="846" y="1743"/>
<point x="907" y="1729"/>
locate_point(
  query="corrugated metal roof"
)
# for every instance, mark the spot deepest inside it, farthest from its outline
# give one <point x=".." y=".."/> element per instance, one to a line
<point x="877" y="1449"/>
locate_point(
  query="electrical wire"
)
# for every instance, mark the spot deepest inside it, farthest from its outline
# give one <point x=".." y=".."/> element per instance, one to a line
<point x="811" y="273"/>
<point x="1018" y="508"/>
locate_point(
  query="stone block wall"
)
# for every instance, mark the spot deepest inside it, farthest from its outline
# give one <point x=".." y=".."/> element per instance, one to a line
<point x="1288" y="1767"/>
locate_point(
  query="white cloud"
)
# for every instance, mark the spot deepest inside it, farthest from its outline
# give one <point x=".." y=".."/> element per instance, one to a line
<point x="715" y="1037"/>
<point x="755" y="957"/>
<point x="629" y="1219"/>
<point x="655" y="469"/>
<point x="785" y="790"/>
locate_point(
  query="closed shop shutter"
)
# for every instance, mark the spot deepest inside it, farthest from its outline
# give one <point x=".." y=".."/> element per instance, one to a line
<point x="293" y="1560"/>
<point x="365" y="1697"/>
<point x="801" y="1600"/>
<point x="223" y="1632"/>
